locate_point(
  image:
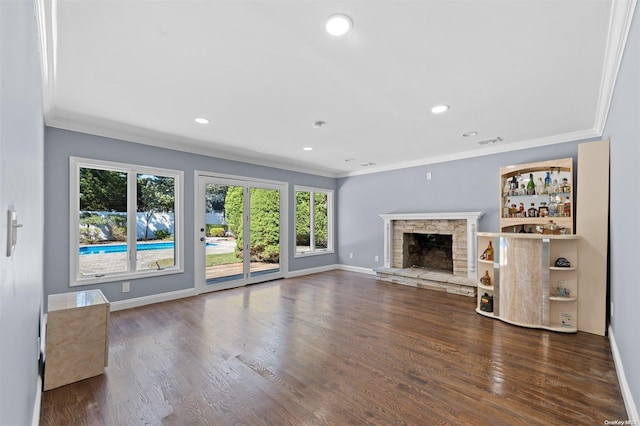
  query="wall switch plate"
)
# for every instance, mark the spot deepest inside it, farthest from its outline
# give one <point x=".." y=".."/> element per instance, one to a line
<point x="12" y="231"/>
<point x="350" y="255"/>
<point x="428" y="175"/>
<point x="126" y="287"/>
<point x="376" y="258"/>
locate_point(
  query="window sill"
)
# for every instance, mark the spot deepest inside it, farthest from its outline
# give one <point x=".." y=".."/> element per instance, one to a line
<point x="312" y="253"/>
<point x="124" y="276"/>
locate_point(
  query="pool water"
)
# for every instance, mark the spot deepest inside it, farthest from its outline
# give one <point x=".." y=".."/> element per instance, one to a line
<point x="122" y="248"/>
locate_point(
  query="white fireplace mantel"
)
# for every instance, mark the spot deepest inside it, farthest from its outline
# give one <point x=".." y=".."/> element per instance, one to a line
<point x="472" y="226"/>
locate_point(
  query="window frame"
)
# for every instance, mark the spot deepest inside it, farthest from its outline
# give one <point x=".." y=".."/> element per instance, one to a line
<point x="132" y="170"/>
<point x="313" y="251"/>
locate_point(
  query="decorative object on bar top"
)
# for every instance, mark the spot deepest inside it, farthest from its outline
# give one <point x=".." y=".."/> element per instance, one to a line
<point x="552" y="228"/>
<point x="562" y="262"/>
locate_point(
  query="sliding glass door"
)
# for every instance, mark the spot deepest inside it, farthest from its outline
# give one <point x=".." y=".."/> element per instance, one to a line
<point x="238" y="238"/>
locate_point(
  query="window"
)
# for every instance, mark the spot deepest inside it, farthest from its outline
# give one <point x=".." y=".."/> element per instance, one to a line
<point x="314" y="221"/>
<point x="125" y="221"/>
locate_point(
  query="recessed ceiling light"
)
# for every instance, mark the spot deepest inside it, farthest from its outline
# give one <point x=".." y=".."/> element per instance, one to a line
<point x="492" y="140"/>
<point x="368" y="164"/>
<point x="439" y="109"/>
<point x="338" y="25"/>
<point x="308" y="148"/>
<point x="318" y="124"/>
<point x="201" y="120"/>
<point x="468" y="134"/>
<point x="349" y="159"/>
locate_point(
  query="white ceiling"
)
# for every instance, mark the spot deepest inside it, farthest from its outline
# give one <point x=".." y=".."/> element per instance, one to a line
<point x="531" y="72"/>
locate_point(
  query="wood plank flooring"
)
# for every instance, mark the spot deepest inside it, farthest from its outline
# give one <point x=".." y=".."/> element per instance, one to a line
<point x="338" y="348"/>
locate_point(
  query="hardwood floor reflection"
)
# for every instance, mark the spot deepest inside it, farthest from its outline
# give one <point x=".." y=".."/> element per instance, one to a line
<point x="337" y="348"/>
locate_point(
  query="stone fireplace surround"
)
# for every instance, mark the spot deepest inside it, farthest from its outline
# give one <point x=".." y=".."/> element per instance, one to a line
<point x="461" y="225"/>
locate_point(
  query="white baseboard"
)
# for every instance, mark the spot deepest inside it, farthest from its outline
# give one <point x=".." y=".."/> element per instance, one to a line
<point x="179" y="294"/>
<point x="630" y="405"/>
<point x="309" y="271"/>
<point x="35" y="420"/>
<point x="154" y="298"/>
<point x="358" y="269"/>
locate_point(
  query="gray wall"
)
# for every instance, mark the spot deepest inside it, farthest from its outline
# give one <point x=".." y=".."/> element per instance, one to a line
<point x="21" y="181"/>
<point x="623" y="131"/>
<point x="61" y="144"/>
<point x="465" y="185"/>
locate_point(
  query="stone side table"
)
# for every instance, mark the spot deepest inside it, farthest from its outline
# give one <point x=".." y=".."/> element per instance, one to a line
<point x="77" y="337"/>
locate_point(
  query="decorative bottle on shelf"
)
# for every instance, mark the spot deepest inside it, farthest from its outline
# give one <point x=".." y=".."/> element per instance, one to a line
<point x="522" y="230"/>
<point x="567" y="207"/>
<point x="485" y="279"/>
<point x="531" y="185"/>
<point x="532" y="212"/>
<point x="553" y="206"/>
<point x="547" y="183"/>
<point x="543" y="211"/>
<point x="540" y="186"/>
<point x="505" y="208"/>
<point x="560" y="207"/>
<point x="565" y="186"/>
<point x="514" y="185"/>
<point x="488" y="253"/>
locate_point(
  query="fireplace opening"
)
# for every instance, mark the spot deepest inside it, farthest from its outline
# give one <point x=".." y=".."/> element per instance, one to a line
<point x="428" y="251"/>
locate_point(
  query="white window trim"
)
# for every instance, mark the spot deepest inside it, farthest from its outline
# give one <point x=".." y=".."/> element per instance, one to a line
<point x="330" y="219"/>
<point x="75" y="163"/>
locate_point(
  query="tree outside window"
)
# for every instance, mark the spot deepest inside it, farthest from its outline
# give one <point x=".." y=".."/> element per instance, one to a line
<point x="117" y="233"/>
<point x="313" y="220"/>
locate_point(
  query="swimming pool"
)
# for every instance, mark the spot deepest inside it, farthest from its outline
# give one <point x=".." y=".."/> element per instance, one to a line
<point x="122" y="248"/>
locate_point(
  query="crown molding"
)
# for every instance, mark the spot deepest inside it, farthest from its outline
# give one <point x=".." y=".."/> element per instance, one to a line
<point x="619" y="27"/>
<point x="116" y="130"/>
<point x="488" y="150"/>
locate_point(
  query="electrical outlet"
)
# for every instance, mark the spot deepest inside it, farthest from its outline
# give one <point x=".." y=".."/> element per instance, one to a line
<point x="376" y="258"/>
<point x="350" y="255"/>
<point x="126" y="287"/>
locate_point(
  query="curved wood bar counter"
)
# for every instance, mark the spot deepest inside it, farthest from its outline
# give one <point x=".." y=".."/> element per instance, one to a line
<point x="524" y="284"/>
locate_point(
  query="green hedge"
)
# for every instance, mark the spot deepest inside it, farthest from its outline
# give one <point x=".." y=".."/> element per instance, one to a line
<point x="216" y="230"/>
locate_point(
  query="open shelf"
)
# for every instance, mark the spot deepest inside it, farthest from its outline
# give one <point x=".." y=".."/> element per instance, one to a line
<point x="486" y="314"/>
<point x="561" y="328"/>
<point x="556" y="197"/>
<point x="485" y="287"/>
<point x="563" y="298"/>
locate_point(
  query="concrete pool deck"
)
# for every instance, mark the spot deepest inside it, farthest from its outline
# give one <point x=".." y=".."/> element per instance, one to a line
<point x="93" y="264"/>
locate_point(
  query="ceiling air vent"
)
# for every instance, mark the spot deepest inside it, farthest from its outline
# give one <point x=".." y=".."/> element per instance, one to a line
<point x="492" y="140"/>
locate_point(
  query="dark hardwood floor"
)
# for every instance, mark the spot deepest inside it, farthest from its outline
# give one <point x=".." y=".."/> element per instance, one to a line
<point x="338" y="348"/>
